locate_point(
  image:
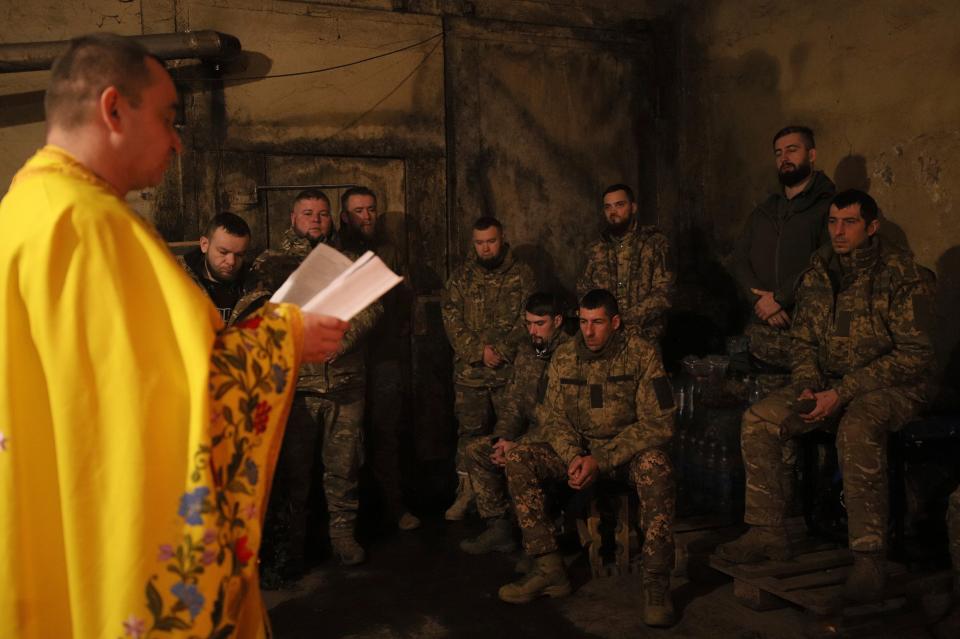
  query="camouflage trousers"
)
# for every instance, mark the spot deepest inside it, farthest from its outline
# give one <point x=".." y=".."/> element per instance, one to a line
<point x="953" y="531"/>
<point x="769" y="344"/>
<point x="385" y="409"/>
<point x="861" y="428"/>
<point x="487" y="479"/>
<point x="336" y="420"/>
<point x="531" y="465"/>
<point x="476" y="409"/>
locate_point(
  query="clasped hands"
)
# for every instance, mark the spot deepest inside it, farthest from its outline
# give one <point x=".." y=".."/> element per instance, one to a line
<point x="769" y="310"/>
<point x="828" y="402"/>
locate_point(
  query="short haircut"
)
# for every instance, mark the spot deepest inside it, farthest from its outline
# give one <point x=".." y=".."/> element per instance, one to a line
<point x="600" y="297"/>
<point x="229" y="222"/>
<point x="805" y="132"/>
<point x="310" y="194"/>
<point x="355" y="190"/>
<point x="869" y="210"/>
<point x="90" y="65"/>
<point x="542" y="303"/>
<point x="613" y="188"/>
<point x="485" y="222"/>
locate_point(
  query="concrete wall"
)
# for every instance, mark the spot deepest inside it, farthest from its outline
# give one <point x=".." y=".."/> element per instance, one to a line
<point x="877" y="82"/>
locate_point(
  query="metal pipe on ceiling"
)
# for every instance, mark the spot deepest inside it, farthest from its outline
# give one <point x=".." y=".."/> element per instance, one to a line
<point x="208" y="45"/>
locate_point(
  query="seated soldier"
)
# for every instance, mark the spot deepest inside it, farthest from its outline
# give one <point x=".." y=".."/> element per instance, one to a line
<point x="609" y="410"/>
<point x="861" y="364"/>
<point x="523" y="399"/>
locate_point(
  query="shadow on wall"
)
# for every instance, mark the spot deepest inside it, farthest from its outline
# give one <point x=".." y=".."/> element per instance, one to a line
<point x="947" y="333"/>
<point x="545" y="271"/>
<point x="708" y="306"/>
<point x="21" y="108"/>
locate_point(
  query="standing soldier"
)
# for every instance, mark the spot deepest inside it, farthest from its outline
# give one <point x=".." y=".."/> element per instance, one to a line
<point x="609" y="412"/>
<point x="386" y="350"/>
<point x="863" y="358"/>
<point x="777" y="241"/>
<point x="328" y="406"/>
<point x="631" y="261"/>
<point x="482" y="306"/>
<point x="521" y="413"/>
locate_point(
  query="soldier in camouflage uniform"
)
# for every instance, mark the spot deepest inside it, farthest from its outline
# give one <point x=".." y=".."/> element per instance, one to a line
<point x="609" y="412"/>
<point x="632" y="262"/>
<point x="387" y="353"/>
<point x="523" y="401"/>
<point x="482" y="316"/>
<point x="328" y="406"/>
<point x="775" y="247"/>
<point x="862" y="361"/>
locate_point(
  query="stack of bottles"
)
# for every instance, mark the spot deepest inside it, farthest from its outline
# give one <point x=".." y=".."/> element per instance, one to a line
<point x="706" y="447"/>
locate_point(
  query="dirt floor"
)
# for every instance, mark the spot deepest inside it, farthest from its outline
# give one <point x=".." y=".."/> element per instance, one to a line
<point x="419" y="585"/>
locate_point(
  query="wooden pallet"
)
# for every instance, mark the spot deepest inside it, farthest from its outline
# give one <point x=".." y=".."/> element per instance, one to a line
<point x="812" y="580"/>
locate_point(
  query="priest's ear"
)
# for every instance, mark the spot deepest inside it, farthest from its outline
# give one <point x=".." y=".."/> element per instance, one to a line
<point x="109" y="108"/>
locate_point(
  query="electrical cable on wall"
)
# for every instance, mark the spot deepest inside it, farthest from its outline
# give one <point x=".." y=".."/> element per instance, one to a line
<point x="325" y="69"/>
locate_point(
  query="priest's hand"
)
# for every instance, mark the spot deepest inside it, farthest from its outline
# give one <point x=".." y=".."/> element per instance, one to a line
<point x="322" y="337"/>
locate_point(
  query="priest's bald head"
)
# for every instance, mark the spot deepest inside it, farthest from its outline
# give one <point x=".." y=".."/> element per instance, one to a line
<point x="113" y="106"/>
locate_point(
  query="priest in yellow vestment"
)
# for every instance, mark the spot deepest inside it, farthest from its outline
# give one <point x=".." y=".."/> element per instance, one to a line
<point x="137" y="435"/>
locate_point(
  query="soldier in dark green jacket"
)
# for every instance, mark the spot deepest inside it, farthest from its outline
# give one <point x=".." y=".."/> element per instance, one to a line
<point x="777" y="240"/>
<point x="862" y="361"/>
<point x="518" y="417"/>
<point x="482" y="316"/>
<point x="610" y="411"/>
<point x="361" y="230"/>
<point x="328" y="406"/>
<point x="632" y="261"/>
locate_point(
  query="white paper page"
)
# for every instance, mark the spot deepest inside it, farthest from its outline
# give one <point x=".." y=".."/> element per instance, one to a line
<point x="364" y="284"/>
<point x="320" y="268"/>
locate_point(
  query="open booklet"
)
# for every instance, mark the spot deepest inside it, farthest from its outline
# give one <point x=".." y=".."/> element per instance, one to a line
<point x="328" y="283"/>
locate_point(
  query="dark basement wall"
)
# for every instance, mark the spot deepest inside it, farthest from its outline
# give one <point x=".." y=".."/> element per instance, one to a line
<point x="877" y="82"/>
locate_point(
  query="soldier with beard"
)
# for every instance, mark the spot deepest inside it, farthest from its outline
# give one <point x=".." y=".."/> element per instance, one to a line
<point x="218" y="265"/>
<point x="519" y="420"/>
<point x="482" y="306"/>
<point x="777" y="241"/>
<point x="631" y="261"/>
<point x="862" y="360"/>
<point x="327" y="408"/>
<point x="387" y="355"/>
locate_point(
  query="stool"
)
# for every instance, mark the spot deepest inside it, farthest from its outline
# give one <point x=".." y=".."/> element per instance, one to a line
<point x="624" y="533"/>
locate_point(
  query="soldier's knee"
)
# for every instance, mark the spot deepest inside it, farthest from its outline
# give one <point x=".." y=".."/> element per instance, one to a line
<point x="653" y="462"/>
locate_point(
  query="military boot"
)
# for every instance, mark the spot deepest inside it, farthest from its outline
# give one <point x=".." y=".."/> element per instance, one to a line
<point x="548" y="577"/>
<point x="347" y="550"/>
<point x="657" y="600"/>
<point x="498" y="537"/>
<point x="465" y="496"/>
<point x="408" y="521"/>
<point x="867" y="578"/>
<point x="757" y="544"/>
<point x="524" y="565"/>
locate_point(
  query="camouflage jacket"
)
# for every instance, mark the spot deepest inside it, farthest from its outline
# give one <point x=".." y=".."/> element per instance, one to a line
<point x="270" y="269"/>
<point x="863" y="323"/>
<point x="523" y="398"/>
<point x="387" y="339"/>
<point x="612" y="404"/>
<point x="483" y="306"/>
<point x="636" y="268"/>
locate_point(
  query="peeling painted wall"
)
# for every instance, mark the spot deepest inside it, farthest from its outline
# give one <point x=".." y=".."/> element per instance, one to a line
<point x="876" y="81"/>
